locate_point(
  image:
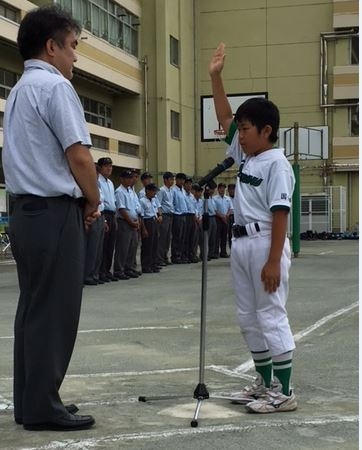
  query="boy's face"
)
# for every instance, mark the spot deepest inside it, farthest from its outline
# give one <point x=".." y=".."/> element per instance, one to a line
<point x="197" y="194"/>
<point x="151" y="194"/>
<point x="253" y="141"/>
<point x="169" y="181"/>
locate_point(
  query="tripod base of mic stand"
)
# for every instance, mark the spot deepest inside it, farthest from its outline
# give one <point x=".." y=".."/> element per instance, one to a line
<point x="201" y="393"/>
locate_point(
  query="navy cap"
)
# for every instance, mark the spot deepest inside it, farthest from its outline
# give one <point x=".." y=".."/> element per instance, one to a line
<point x="104" y="161"/>
<point x="146" y="175"/>
<point x="127" y="173"/>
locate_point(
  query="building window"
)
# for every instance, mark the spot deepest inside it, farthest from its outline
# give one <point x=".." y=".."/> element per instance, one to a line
<point x="1" y="119"/>
<point x="174" y="52"/>
<point x="9" y="12"/>
<point x="7" y="81"/>
<point x="96" y="112"/>
<point x="107" y="20"/>
<point x="354" y="50"/>
<point x="128" y="149"/>
<point x="100" y="142"/>
<point x="354" y="120"/>
<point x="175" y="125"/>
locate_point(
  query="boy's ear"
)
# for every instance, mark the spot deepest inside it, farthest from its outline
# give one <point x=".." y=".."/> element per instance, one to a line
<point x="267" y="131"/>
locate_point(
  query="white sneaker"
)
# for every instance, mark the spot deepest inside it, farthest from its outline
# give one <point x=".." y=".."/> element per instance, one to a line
<point x="250" y="393"/>
<point x="274" y="401"/>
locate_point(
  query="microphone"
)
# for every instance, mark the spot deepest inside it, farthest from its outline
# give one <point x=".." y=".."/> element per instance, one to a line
<point x="220" y="167"/>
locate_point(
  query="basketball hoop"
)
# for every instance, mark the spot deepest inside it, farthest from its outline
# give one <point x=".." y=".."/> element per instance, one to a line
<point x="220" y="135"/>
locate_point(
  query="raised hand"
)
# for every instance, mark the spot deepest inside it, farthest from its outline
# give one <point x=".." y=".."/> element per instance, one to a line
<point x="217" y="61"/>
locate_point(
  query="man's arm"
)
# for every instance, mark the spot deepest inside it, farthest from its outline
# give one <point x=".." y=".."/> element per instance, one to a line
<point x="223" y="110"/>
<point x="82" y="167"/>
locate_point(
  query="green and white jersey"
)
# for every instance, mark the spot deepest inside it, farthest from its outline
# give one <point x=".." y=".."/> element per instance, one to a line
<point x="264" y="183"/>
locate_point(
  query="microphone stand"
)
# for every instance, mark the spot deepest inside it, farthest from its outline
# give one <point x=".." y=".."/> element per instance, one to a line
<point x="200" y="393"/>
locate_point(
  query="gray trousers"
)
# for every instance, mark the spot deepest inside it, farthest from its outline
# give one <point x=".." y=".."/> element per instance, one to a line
<point x="164" y="241"/>
<point x="125" y="248"/>
<point x="47" y="241"/>
<point x="94" y="250"/>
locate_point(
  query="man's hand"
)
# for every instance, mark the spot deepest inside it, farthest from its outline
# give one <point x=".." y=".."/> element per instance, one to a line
<point x="90" y="215"/>
<point x="217" y="61"/>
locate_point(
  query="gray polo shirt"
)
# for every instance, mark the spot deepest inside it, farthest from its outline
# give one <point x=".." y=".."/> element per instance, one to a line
<point x="43" y="117"/>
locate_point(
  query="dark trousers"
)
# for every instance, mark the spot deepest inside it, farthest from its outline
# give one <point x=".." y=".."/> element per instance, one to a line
<point x="125" y="248"/>
<point x="189" y="237"/>
<point x="164" y="241"/>
<point x="94" y="250"/>
<point x="212" y="237"/>
<point x="149" y="245"/>
<point x="47" y="241"/>
<point x="108" y="244"/>
<point x="221" y="237"/>
<point x="178" y="237"/>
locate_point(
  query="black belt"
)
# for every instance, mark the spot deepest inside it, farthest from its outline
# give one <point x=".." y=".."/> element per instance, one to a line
<point x="107" y="211"/>
<point x="153" y="219"/>
<point x="240" y="230"/>
<point x="167" y="214"/>
<point x="79" y="201"/>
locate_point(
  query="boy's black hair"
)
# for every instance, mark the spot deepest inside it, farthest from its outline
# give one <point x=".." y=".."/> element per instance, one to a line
<point x="260" y="112"/>
<point x="180" y="176"/>
<point x="168" y="175"/>
<point x="41" y="24"/>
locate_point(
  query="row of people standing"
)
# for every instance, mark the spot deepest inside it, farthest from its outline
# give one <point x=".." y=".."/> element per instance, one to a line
<point x="167" y="221"/>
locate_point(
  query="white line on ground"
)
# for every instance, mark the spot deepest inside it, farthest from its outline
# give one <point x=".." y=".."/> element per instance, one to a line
<point x="325" y="253"/>
<point x="83" y="444"/>
<point x="110" y="330"/>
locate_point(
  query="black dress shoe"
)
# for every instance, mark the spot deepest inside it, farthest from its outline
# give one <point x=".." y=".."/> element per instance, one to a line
<point x="68" y="422"/>
<point x="123" y="276"/>
<point x="104" y="279"/>
<point x="147" y="271"/>
<point x="112" y="278"/>
<point x="72" y="409"/>
<point x="90" y="282"/>
<point x="99" y="281"/>
<point x="131" y="274"/>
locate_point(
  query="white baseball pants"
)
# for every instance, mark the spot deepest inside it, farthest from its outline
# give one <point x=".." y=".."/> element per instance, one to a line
<point x="262" y="316"/>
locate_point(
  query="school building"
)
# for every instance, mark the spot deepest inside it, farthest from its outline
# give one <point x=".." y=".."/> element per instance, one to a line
<point x="142" y="77"/>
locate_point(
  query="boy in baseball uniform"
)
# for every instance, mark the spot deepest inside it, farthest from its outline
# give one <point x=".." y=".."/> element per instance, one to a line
<point x="260" y="252"/>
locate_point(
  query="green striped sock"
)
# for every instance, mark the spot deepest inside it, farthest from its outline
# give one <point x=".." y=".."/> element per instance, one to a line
<point x="283" y="371"/>
<point x="263" y="366"/>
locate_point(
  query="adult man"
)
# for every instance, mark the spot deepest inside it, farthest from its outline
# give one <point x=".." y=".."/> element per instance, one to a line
<point x="165" y="198"/>
<point x="128" y="226"/>
<point x="48" y="169"/>
<point x="223" y="208"/>
<point x="107" y="188"/>
<point x="179" y="219"/>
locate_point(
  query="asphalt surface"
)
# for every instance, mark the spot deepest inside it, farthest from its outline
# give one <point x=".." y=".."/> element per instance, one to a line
<point x="141" y="338"/>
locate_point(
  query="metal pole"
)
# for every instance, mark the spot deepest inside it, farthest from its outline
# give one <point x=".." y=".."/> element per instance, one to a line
<point x="296" y="195"/>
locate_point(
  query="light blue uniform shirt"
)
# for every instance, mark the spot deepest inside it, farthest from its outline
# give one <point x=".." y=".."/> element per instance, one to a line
<point x="179" y="200"/>
<point x="190" y="203"/>
<point x="149" y="207"/>
<point x="43" y="117"/>
<point x="125" y="200"/>
<point x="223" y="204"/>
<point x="199" y="207"/>
<point x="142" y="194"/>
<point x="107" y="189"/>
<point x="164" y="196"/>
<point x="211" y="207"/>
